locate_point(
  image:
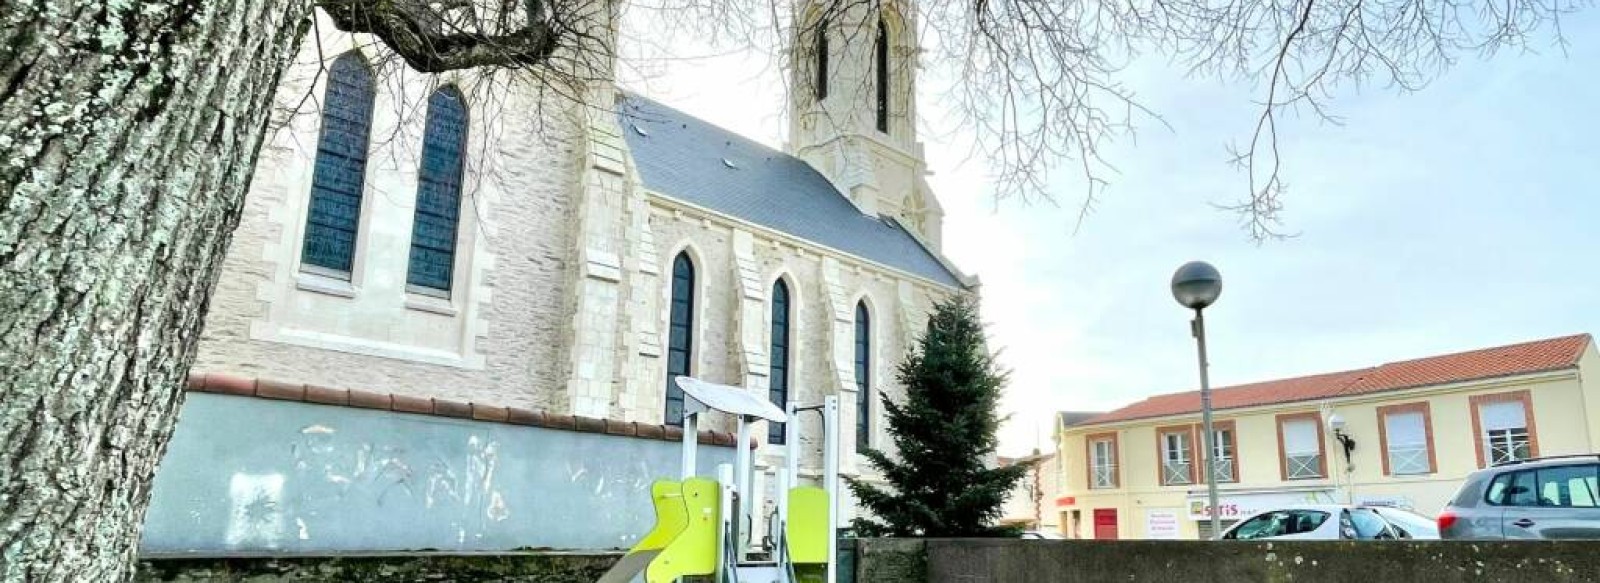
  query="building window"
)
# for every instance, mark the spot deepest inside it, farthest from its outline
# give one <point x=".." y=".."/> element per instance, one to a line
<point x="1102" y="461"/>
<point x="1405" y="434"/>
<point x="1224" y="453"/>
<point x="863" y="377"/>
<point x="778" y="374"/>
<point x="883" y="76"/>
<point x="680" y="334"/>
<point x="1177" y="455"/>
<point x="822" y="59"/>
<point x="433" y="233"/>
<point x="1505" y="429"/>
<point x="1300" y="440"/>
<point x="339" y="176"/>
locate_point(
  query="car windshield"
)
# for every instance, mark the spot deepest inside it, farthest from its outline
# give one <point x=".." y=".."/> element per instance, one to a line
<point x="1411" y="523"/>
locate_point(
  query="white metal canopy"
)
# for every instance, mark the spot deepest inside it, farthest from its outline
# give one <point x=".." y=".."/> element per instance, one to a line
<point x="730" y="399"/>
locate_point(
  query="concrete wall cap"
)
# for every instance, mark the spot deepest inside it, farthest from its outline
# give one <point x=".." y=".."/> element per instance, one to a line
<point x="326" y="395"/>
<point x="238" y="385"/>
<point x="280" y="390"/>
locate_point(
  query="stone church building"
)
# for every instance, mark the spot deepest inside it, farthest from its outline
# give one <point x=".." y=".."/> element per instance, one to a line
<point x="418" y="242"/>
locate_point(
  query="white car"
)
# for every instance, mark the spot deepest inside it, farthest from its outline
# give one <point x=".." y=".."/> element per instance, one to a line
<point x="1409" y="524"/>
<point x="1332" y="522"/>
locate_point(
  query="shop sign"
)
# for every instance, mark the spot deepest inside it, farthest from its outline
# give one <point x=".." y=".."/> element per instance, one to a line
<point x="1237" y="506"/>
<point x="1161" y="524"/>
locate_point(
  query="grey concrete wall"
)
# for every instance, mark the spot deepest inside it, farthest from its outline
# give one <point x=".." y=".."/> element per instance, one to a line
<point x="1010" y="560"/>
<point x="255" y="475"/>
<point x="520" y="567"/>
<point x="888" y="560"/>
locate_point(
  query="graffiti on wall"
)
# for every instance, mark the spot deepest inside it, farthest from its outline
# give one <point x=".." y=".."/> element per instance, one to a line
<point x="269" y="476"/>
<point x="329" y="473"/>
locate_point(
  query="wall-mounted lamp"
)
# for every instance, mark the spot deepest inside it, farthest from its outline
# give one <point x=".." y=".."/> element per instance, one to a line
<point x="1336" y="423"/>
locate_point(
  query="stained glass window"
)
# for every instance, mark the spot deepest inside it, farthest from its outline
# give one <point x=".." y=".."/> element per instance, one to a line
<point x="433" y="234"/>
<point x="680" y="334"/>
<point x="863" y="377"/>
<point x="341" y="162"/>
<point x="778" y="376"/>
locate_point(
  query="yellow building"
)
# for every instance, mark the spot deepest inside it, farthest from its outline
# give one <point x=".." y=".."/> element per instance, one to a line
<point x="1403" y="433"/>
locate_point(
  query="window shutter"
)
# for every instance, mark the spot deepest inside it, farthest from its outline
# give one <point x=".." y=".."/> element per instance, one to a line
<point x="1405" y="429"/>
<point x="1300" y="437"/>
<point x="1505" y="415"/>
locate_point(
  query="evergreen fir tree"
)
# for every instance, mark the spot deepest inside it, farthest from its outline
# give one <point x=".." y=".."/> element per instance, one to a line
<point x="944" y="431"/>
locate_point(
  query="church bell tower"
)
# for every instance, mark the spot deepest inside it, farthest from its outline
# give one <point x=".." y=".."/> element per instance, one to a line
<point x="852" y="108"/>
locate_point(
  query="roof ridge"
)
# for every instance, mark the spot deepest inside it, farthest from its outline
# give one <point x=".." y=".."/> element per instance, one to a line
<point x="1501" y="347"/>
<point x="1250" y="384"/>
<point x="1521" y="358"/>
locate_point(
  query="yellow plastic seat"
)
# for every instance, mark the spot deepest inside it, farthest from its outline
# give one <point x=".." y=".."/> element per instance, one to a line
<point x="694" y="550"/>
<point x="806" y="533"/>
<point x="671" y="519"/>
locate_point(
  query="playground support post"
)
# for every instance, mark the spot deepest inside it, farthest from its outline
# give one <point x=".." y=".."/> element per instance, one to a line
<point x="726" y="529"/>
<point x="690" y="434"/>
<point x="830" y="479"/>
<point x="792" y="459"/>
<point x="742" y="505"/>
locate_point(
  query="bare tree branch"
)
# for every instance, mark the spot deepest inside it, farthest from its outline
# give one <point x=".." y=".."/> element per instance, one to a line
<point x="423" y="34"/>
<point x="1037" y="85"/>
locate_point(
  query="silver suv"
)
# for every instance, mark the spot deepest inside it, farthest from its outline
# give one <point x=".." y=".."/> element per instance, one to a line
<point x="1544" y="498"/>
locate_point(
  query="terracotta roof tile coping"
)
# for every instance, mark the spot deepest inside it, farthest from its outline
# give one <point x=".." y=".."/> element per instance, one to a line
<point x="231" y="384"/>
<point x="1487" y="363"/>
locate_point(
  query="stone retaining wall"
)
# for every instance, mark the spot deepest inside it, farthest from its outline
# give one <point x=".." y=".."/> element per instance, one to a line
<point x="393" y="568"/>
<point x="1008" y="560"/>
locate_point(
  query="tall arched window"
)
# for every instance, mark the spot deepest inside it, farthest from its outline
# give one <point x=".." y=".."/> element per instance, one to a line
<point x="822" y="59"/>
<point x="338" y="178"/>
<point x="863" y="377"/>
<point x="778" y="375"/>
<point x="680" y="334"/>
<point x="433" y="234"/>
<point x="883" y="76"/>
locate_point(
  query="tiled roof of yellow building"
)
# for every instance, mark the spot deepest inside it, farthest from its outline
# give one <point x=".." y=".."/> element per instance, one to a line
<point x="1501" y="361"/>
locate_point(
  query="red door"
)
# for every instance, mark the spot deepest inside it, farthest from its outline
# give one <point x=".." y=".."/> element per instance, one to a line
<point x="1105" y="523"/>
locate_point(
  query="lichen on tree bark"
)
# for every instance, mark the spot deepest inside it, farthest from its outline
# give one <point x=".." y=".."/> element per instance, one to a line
<point x="128" y="133"/>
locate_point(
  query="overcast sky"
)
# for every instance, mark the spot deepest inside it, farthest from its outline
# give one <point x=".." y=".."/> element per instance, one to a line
<point x="1463" y="216"/>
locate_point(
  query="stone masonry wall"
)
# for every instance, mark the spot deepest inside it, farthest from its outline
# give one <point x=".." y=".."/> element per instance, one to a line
<point x="732" y="326"/>
<point x="519" y="567"/>
<point x="1008" y="560"/>
<point x="499" y="339"/>
<point x="560" y="302"/>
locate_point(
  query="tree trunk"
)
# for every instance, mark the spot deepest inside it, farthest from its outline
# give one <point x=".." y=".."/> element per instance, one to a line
<point x="128" y="133"/>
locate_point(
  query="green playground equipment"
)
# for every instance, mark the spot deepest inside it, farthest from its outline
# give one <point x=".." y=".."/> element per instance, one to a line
<point x="700" y="522"/>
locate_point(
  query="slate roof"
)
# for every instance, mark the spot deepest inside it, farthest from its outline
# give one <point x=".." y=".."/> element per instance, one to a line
<point x="690" y="159"/>
<point x="1487" y="363"/>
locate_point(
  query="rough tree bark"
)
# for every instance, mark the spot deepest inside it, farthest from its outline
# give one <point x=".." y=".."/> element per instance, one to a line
<point x="128" y="132"/>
